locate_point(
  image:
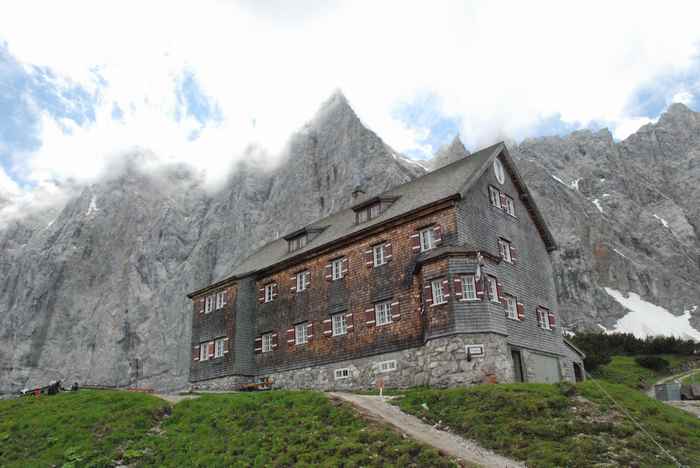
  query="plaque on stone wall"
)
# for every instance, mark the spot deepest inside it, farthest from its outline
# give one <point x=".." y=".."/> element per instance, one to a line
<point x="474" y="350"/>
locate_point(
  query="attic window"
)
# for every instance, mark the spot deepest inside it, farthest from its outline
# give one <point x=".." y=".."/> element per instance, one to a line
<point x="372" y="208"/>
<point x="297" y="242"/>
<point x="369" y="212"/>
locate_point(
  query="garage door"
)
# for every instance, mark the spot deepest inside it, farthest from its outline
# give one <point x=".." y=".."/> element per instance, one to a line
<point x="546" y="368"/>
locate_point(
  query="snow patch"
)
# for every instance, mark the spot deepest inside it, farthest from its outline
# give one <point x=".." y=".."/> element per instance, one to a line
<point x="621" y="254"/>
<point x="606" y="195"/>
<point x="558" y="179"/>
<point x="93" y="206"/>
<point x="596" y="202"/>
<point x="663" y="221"/>
<point x="574" y="184"/>
<point x="647" y="319"/>
<point x="605" y="330"/>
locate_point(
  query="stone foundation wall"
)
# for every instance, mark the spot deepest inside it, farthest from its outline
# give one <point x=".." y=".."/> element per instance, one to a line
<point x="231" y="382"/>
<point x="442" y="362"/>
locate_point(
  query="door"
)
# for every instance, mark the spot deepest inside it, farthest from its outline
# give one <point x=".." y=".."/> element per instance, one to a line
<point x="545" y="368"/>
<point x="578" y="372"/>
<point x="517" y="366"/>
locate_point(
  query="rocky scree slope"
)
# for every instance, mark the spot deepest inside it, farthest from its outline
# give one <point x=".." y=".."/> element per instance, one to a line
<point x="96" y="293"/>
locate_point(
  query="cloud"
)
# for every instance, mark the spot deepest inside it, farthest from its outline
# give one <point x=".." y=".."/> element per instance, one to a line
<point x="200" y="83"/>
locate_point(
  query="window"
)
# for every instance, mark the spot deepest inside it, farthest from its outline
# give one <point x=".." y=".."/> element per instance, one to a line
<point x="220" y="300"/>
<point x="209" y="304"/>
<point x="495" y="197"/>
<point x="219" y="348"/>
<point x="303" y="280"/>
<point x="511" y="307"/>
<point x="509" y="208"/>
<point x="301" y="333"/>
<point x="544" y="318"/>
<point x="267" y="342"/>
<point x="438" y="293"/>
<point x="342" y="373"/>
<point x="386" y="366"/>
<point x="504" y="247"/>
<point x="382" y="312"/>
<point x="204" y="351"/>
<point x="369" y="212"/>
<point x="378" y="253"/>
<point x="426" y="239"/>
<point x="493" y="288"/>
<point x="297" y="242"/>
<point x="337" y="269"/>
<point x="340" y="326"/>
<point x="468" y="288"/>
<point x="270" y="292"/>
<point x="498" y="171"/>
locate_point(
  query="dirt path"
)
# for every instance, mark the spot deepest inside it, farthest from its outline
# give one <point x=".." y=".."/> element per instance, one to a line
<point x="174" y="399"/>
<point x="678" y="377"/>
<point x="377" y="408"/>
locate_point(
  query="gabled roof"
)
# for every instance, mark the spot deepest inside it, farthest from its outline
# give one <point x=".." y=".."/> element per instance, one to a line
<point x="449" y="182"/>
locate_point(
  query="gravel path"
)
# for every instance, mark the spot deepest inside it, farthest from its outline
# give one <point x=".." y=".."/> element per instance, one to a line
<point x="174" y="399"/>
<point x="377" y="408"/>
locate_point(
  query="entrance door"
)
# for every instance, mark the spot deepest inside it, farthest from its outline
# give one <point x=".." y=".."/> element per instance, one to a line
<point x="578" y="372"/>
<point x="517" y="366"/>
<point x="545" y="368"/>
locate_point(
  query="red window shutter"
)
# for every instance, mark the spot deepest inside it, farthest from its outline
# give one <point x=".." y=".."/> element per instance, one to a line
<point x="369" y="258"/>
<point x="310" y="331"/>
<point x="349" y="323"/>
<point x="388" y="251"/>
<point x="258" y="345"/>
<point x="503" y="200"/>
<point x="327" y="328"/>
<point x="550" y="316"/>
<point x="437" y="233"/>
<point x="226" y="345"/>
<point x="499" y="289"/>
<point x="293" y="287"/>
<point x="521" y="311"/>
<point x="210" y="349"/>
<point x="275" y="341"/>
<point x="195" y="353"/>
<point x="445" y="288"/>
<point x="344" y="267"/>
<point x="395" y="311"/>
<point x="329" y="272"/>
<point x="370" y="317"/>
<point x="479" y="284"/>
<point x="428" y="294"/>
<point x="513" y="254"/>
<point x="290" y="337"/>
<point x="274" y="290"/>
<point x="415" y="242"/>
<point x="201" y="306"/>
<point x="261" y="295"/>
<point x="457" y="286"/>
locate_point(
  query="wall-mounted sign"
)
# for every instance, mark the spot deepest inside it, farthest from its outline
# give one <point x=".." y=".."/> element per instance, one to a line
<point x="474" y="350"/>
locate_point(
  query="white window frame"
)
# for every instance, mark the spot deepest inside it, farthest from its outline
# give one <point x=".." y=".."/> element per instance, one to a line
<point x="209" y="304"/>
<point x="511" y="307"/>
<point x="378" y="255"/>
<point x="269" y="290"/>
<point x="493" y="191"/>
<point x="438" y="292"/>
<point x="339" y="324"/>
<point x="504" y="247"/>
<point x="303" y="280"/>
<point x="267" y="343"/>
<point x="492" y="283"/>
<point x="204" y="351"/>
<point x="298" y="242"/>
<point x="218" y="348"/>
<point x="498" y="171"/>
<point x="427" y="241"/>
<point x="543" y="319"/>
<point x="343" y="373"/>
<point x="510" y="207"/>
<point x="220" y="300"/>
<point x="469" y="288"/>
<point x="301" y="333"/>
<point x="382" y="313"/>
<point x="337" y="269"/>
<point x="386" y="366"/>
<point x="374" y="210"/>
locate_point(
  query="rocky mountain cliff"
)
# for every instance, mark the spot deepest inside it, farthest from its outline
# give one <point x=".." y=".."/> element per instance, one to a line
<point x="96" y="293"/>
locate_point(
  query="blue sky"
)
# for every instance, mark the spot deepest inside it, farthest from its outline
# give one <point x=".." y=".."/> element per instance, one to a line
<point x="203" y="86"/>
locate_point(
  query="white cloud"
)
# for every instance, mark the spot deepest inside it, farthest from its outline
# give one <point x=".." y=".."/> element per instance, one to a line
<point x="500" y="67"/>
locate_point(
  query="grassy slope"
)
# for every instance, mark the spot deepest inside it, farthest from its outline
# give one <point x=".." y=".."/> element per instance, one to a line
<point x="74" y="429"/>
<point x="544" y="427"/>
<point x="277" y="428"/>
<point x="692" y="379"/>
<point x="625" y="370"/>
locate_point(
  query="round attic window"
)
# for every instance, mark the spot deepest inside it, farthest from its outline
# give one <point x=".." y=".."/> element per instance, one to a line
<point x="498" y="170"/>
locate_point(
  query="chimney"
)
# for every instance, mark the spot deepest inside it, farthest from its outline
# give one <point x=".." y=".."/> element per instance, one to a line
<point x="358" y="192"/>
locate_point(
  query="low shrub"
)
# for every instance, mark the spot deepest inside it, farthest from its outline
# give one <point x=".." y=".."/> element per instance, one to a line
<point x="655" y="363"/>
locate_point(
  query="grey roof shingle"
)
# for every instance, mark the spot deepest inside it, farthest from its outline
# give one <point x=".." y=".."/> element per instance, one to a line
<point x="434" y="186"/>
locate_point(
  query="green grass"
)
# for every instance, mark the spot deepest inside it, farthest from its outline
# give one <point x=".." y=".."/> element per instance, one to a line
<point x="87" y="428"/>
<point x="692" y="378"/>
<point x="278" y="428"/>
<point x="625" y="370"/>
<point x="544" y="427"/>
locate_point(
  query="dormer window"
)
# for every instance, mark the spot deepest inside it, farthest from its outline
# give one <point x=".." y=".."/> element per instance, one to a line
<point x="369" y="212"/>
<point x="297" y="242"/>
<point x="372" y="208"/>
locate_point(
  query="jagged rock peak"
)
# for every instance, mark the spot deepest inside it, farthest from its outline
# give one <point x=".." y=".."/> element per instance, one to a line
<point x="448" y="154"/>
<point x="334" y="109"/>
